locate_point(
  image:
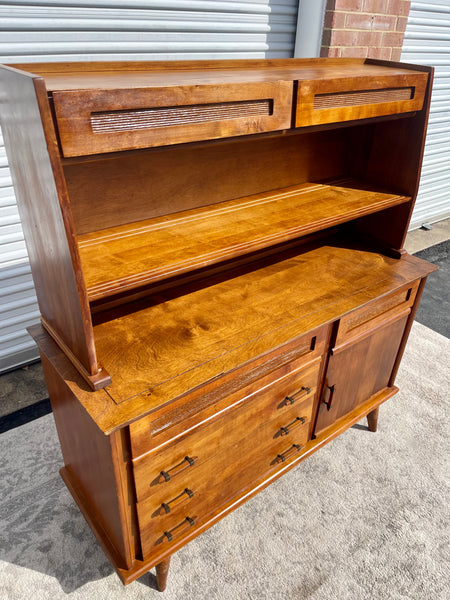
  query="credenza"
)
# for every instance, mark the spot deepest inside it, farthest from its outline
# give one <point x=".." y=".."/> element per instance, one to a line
<point x="217" y="250"/>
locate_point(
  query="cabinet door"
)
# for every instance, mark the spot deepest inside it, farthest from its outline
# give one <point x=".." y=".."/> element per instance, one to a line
<point x="359" y="369"/>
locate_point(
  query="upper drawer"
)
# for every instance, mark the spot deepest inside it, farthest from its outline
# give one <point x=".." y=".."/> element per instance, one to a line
<point x="96" y="121"/>
<point x="364" y="320"/>
<point x="333" y="100"/>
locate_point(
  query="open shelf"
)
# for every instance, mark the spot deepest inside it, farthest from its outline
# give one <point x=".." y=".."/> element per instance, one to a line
<point x="122" y="258"/>
<point x="171" y="342"/>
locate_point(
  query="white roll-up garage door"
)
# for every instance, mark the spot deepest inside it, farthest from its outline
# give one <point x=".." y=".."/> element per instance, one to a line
<point x="57" y="30"/>
<point x="427" y="41"/>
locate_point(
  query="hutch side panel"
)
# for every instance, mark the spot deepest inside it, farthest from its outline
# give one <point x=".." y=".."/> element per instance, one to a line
<point x="46" y="219"/>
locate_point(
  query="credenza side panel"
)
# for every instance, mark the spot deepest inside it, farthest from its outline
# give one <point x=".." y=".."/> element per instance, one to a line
<point x="93" y="470"/>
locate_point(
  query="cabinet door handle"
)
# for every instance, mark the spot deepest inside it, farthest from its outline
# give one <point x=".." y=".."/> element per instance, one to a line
<point x="286" y="429"/>
<point x="185" y="495"/>
<point x="184" y="464"/>
<point x="185" y="525"/>
<point x="294" y="397"/>
<point x="290" y="452"/>
<point x="332" y="389"/>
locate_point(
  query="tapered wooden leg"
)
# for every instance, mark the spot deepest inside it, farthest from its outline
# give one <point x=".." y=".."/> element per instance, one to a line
<point x="162" y="570"/>
<point x="372" y="419"/>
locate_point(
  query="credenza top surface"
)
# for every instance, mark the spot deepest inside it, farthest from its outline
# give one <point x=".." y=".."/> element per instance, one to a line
<point x="192" y="343"/>
<point x="117" y="75"/>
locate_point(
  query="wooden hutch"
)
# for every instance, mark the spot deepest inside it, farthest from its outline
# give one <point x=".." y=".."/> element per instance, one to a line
<point x="217" y="249"/>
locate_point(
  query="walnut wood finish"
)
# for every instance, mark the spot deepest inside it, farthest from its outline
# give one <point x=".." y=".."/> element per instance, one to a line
<point x="120" y="75"/>
<point x="397" y="166"/>
<point x="139" y="565"/>
<point x="372" y="420"/>
<point x="205" y="401"/>
<point x="40" y="190"/>
<point x="361" y="321"/>
<point x="216" y="327"/>
<point x="242" y="417"/>
<point x="126" y="257"/>
<point x="162" y="571"/>
<point x="248" y="295"/>
<point x="96" y="467"/>
<point x="189" y="176"/>
<point x="243" y="458"/>
<point x="143" y="117"/>
<point x="329" y="101"/>
<point x="358" y="370"/>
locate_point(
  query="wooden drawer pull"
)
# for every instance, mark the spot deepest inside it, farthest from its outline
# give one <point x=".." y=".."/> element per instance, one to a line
<point x="288" y="454"/>
<point x="187" y="493"/>
<point x="184" y="464"/>
<point x="185" y="525"/>
<point x="288" y="428"/>
<point x="294" y="397"/>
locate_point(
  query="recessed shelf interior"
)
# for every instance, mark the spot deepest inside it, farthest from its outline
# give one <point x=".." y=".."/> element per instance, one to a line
<point x="152" y="215"/>
<point x="122" y="258"/>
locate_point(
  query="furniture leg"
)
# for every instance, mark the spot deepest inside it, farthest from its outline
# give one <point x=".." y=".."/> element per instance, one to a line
<point x="162" y="570"/>
<point x="372" y="419"/>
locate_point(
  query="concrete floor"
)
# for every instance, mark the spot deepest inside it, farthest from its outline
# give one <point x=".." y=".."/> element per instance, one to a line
<point x="23" y="388"/>
<point x="419" y="239"/>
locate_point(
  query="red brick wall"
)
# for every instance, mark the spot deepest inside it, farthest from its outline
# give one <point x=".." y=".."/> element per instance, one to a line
<point x="365" y="28"/>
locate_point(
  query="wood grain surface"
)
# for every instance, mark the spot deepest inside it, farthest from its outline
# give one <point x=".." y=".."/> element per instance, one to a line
<point x="313" y="110"/>
<point x="241" y="415"/>
<point x="45" y="214"/>
<point x="359" y="370"/>
<point x="144" y="115"/>
<point x="249" y="297"/>
<point x="180" y="342"/>
<point x="90" y="465"/>
<point x="163" y="181"/>
<point x="127" y="74"/>
<point x="123" y="258"/>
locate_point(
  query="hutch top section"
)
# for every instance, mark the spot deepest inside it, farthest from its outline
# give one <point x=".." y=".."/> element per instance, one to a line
<point x="106" y="107"/>
<point x="150" y="189"/>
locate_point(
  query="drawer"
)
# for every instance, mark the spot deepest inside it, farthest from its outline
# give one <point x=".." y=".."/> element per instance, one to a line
<point x="96" y="121"/>
<point x="275" y="401"/>
<point x="171" y="513"/>
<point x="219" y="394"/>
<point x="334" y="100"/>
<point x="363" y="320"/>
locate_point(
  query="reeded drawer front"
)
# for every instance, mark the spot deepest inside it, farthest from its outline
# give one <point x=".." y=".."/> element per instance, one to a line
<point x="275" y="403"/>
<point x="345" y="99"/>
<point x="96" y="121"/>
<point x="172" y="510"/>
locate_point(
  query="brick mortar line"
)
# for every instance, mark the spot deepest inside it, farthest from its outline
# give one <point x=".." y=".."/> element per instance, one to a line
<point x="370" y="14"/>
<point x="362" y="30"/>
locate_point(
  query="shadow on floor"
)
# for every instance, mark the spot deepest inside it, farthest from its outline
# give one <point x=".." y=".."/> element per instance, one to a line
<point x="434" y="308"/>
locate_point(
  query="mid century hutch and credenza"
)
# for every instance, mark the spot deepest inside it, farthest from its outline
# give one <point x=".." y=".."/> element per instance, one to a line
<point x="217" y="250"/>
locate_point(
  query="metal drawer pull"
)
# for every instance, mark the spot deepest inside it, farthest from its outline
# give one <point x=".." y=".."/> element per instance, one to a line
<point x="286" y="455"/>
<point x="187" y="493"/>
<point x="295" y="423"/>
<point x="185" y="524"/>
<point x="332" y="389"/>
<point x="294" y="397"/>
<point x="184" y="464"/>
